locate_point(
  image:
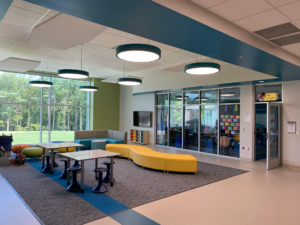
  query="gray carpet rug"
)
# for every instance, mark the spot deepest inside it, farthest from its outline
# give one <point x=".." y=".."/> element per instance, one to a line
<point x="134" y="186"/>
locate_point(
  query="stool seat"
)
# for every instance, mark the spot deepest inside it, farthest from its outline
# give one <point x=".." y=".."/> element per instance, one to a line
<point x="74" y="186"/>
<point x="107" y="177"/>
<point x="100" y="188"/>
<point x="74" y="168"/>
<point x="98" y="144"/>
<point x="47" y="168"/>
<point x="54" y="163"/>
<point x="64" y="175"/>
<point x="101" y="170"/>
<point x="107" y="162"/>
<point x="53" y="151"/>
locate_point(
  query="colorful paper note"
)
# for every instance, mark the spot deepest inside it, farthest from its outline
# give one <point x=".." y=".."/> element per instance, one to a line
<point x="229" y="128"/>
<point x="222" y="116"/>
<point x="232" y="132"/>
<point x="224" y="120"/>
<point x="232" y="116"/>
<point x="226" y="116"/>
<point x="229" y="120"/>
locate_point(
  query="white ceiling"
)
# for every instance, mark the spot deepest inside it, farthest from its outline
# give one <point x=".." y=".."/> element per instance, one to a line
<point x="98" y="54"/>
<point x="255" y="15"/>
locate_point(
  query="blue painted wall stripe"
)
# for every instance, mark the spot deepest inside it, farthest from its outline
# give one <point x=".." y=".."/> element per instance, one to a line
<point x="4" y="5"/>
<point x="151" y="20"/>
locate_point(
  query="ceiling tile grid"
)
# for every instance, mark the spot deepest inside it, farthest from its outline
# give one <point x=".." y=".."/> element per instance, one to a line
<point x="258" y="16"/>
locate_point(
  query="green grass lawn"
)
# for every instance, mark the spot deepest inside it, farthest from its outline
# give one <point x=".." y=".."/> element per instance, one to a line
<point x="31" y="137"/>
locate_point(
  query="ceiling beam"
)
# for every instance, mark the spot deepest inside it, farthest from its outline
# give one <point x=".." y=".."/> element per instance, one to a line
<point x="150" y="20"/>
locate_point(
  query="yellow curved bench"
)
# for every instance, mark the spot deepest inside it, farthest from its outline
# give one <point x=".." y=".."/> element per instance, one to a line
<point x="146" y="157"/>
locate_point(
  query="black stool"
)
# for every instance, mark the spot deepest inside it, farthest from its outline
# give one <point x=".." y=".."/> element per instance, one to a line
<point x="74" y="186"/>
<point x="100" y="188"/>
<point x="106" y="179"/>
<point x="47" y="168"/>
<point x="54" y="163"/>
<point x="64" y="174"/>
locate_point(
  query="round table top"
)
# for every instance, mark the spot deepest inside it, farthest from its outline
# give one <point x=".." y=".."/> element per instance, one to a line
<point x="99" y="141"/>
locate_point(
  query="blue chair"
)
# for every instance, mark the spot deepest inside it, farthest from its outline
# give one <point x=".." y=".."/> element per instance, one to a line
<point x="74" y="186"/>
<point x="57" y="142"/>
<point x="100" y="188"/>
<point x="107" y="177"/>
<point x="47" y="168"/>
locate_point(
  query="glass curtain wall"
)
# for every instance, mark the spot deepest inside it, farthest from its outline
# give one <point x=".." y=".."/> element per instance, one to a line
<point x="200" y="121"/>
<point x="28" y="112"/>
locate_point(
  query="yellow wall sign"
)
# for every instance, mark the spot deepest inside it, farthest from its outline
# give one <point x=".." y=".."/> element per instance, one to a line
<point x="271" y="97"/>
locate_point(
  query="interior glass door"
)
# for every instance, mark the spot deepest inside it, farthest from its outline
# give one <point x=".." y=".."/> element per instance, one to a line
<point x="273" y="135"/>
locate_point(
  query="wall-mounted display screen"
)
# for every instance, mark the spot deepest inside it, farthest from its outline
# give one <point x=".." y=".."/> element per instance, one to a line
<point x="142" y="119"/>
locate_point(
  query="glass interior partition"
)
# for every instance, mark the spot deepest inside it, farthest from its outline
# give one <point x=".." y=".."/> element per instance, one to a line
<point x="175" y="134"/>
<point x="209" y="129"/>
<point x="162" y="125"/>
<point x="191" y="127"/>
<point x="273" y="89"/>
<point x="230" y="130"/>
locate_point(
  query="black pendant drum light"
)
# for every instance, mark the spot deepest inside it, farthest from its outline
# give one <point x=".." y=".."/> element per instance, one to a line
<point x="129" y="81"/>
<point x="138" y="52"/>
<point x="73" y="74"/>
<point x="88" y="88"/>
<point x="40" y="83"/>
<point x="202" y="68"/>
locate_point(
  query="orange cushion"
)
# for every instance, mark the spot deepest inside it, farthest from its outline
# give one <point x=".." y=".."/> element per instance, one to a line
<point x="19" y="147"/>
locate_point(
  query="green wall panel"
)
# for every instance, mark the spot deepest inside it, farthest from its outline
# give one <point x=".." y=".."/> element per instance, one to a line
<point x="105" y="106"/>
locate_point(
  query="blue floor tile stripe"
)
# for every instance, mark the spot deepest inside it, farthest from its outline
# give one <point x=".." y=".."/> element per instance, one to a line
<point x="102" y="202"/>
<point x="131" y="217"/>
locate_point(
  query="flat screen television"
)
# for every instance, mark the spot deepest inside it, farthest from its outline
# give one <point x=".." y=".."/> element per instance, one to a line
<point x="142" y="119"/>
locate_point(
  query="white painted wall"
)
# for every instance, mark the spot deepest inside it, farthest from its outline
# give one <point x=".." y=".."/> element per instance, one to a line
<point x="247" y="128"/>
<point x="291" y="112"/>
<point x="130" y="103"/>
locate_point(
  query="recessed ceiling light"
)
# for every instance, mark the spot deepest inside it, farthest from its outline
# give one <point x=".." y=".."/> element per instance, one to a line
<point x="129" y="81"/>
<point x="261" y="81"/>
<point x="240" y="57"/>
<point x="88" y="88"/>
<point x="202" y="68"/>
<point x="138" y="52"/>
<point x="38" y="83"/>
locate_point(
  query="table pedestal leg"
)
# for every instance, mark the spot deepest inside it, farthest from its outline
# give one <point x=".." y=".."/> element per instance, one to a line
<point x="43" y="164"/>
<point x="82" y="176"/>
<point x="111" y="171"/>
<point x="96" y="166"/>
<point x="52" y="161"/>
<point x="68" y="172"/>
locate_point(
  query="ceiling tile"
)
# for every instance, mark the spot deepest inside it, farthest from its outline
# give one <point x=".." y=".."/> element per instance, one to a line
<point x="277" y="3"/>
<point x="262" y="20"/>
<point x="103" y="61"/>
<point x="31" y="48"/>
<point x="22" y="18"/>
<point x="64" y="32"/>
<point x="291" y="10"/>
<point x="121" y="33"/>
<point x="109" y="40"/>
<point x="292" y="48"/>
<point x="12" y="32"/>
<point x="297" y="53"/>
<point x="18" y="65"/>
<point x="28" y="6"/>
<point x="6" y="43"/>
<point x="237" y="9"/>
<point x="208" y="3"/>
